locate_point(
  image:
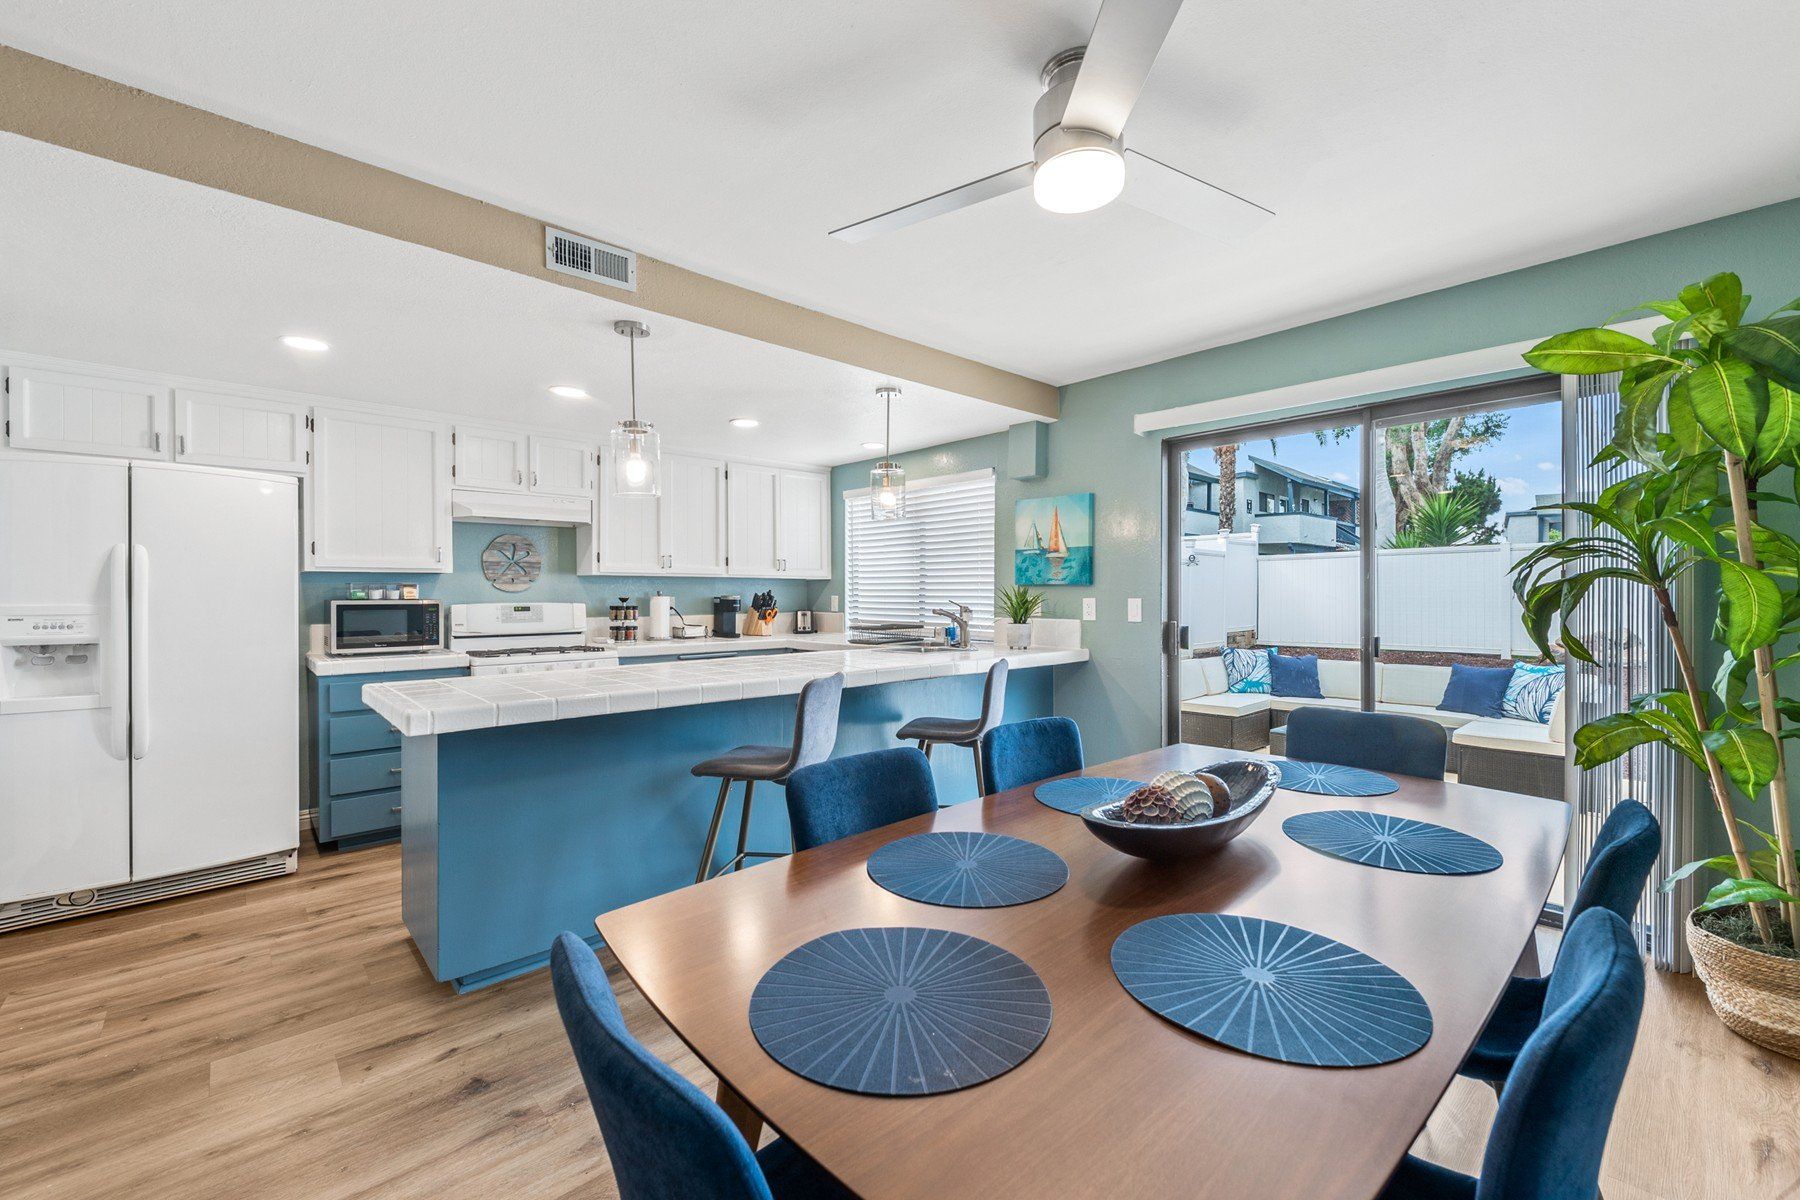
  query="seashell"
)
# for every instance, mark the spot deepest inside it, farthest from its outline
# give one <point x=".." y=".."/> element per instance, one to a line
<point x="1197" y="796"/>
<point x="1148" y="805"/>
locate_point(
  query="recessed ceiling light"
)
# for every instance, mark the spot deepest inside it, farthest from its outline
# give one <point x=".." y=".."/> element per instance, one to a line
<point x="569" y="392"/>
<point x="744" y="422"/>
<point x="871" y="445"/>
<point x="311" y="345"/>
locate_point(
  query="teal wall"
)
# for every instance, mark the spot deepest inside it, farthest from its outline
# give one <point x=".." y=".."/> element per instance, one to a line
<point x="1092" y="448"/>
<point x="466" y="585"/>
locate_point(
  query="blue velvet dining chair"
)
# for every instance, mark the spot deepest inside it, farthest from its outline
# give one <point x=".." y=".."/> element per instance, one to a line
<point x="1554" y="1115"/>
<point x="1027" y="751"/>
<point x="844" y="796"/>
<point x="1624" y="851"/>
<point x="1374" y="741"/>
<point x="667" y="1141"/>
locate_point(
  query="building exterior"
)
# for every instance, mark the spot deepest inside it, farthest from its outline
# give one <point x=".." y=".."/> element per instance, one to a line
<point x="1294" y="512"/>
<point x="1526" y="526"/>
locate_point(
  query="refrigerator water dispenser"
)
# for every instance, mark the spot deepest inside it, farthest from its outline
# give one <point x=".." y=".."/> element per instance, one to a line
<point x="49" y="659"/>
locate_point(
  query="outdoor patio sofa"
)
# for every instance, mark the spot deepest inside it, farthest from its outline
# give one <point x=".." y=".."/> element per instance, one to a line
<point x="1496" y="752"/>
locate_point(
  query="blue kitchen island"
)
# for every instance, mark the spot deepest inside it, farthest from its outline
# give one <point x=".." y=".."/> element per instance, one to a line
<point x="530" y="804"/>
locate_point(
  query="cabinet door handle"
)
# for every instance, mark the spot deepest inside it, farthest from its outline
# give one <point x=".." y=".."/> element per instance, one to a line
<point x="395" y="770"/>
<point x="534" y="479"/>
<point x="396" y="808"/>
<point x="518" y="475"/>
<point x="181" y="445"/>
<point x="156" y="441"/>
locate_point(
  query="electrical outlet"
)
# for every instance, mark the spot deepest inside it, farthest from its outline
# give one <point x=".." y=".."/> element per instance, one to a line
<point x="1134" y="609"/>
<point x="1090" y="608"/>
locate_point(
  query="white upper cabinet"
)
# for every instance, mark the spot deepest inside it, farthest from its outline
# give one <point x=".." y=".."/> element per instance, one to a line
<point x="86" y="414"/>
<point x="803" y="524"/>
<point x="629" y="533"/>
<point x="751" y="521"/>
<point x="561" y="467"/>
<point x="693" y="514"/>
<point x="379" y="494"/>
<point x="222" y="430"/>
<point x="491" y="459"/>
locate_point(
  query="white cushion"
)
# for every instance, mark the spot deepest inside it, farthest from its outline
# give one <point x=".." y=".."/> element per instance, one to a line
<point x="1559" y="720"/>
<point x="1504" y="733"/>
<point x="1411" y="683"/>
<point x="1340" y="679"/>
<point x="1227" y="704"/>
<point x="1201" y="676"/>
<point x="1287" y="704"/>
<point x="1449" y="720"/>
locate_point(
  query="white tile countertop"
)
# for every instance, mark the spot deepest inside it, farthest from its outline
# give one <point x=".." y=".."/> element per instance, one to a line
<point x="382" y="664"/>
<point x="421" y="707"/>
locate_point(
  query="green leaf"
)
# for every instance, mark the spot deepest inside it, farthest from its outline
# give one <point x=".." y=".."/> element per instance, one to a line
<point x="1791" y="304"/>
<point x="1745" y="891"/>
<point x="1723" y="863"/>
<point x="1749" y="756"/>
<point x="1635" y="430"/>
<point x="1683" y="426"/>
<point x="1723" y="294"/>
<point x="1772" y="346"/>
<point x="1672" y="309"/>
<point x="1691" y="529"/>
<point x="1593" y="352"/>
<point x="1778" y="442"/>
<point x="1778" y="553"/>
<point x="1751" y="608"/>
<point x="1726" y="404"/>
<point x="1602" y="741"/>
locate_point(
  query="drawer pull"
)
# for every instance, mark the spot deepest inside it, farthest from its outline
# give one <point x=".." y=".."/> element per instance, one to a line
<point x="394" y="770"/>
<point x="396" y="808"/>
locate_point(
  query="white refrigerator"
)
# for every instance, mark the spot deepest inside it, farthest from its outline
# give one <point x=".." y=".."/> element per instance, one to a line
<point x="149" y="681"/>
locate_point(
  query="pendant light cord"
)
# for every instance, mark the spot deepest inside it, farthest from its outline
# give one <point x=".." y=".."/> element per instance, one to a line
<point x="890" y="427"/>
<point x="633" y="340"/>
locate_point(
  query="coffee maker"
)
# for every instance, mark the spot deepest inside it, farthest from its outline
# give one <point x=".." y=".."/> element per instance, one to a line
<point x="726" y="610"/>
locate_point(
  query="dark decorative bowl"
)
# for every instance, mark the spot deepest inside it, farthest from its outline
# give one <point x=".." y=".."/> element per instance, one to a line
<point x="1251" y="781"/>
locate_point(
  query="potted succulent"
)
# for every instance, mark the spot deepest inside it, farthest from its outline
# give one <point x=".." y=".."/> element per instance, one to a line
<point x="1706" y="440"/>
<point x="1020" y="604"/>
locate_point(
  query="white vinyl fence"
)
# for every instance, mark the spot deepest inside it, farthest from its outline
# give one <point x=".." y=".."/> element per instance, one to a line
<point x="1452" y="599"/>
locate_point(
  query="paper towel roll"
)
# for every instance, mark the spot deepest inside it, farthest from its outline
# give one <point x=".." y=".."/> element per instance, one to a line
<point x="660" y="617"/>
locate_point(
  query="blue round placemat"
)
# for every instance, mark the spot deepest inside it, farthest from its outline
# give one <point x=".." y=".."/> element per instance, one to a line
<point x="1329" y="779"/>
<point x="968" y="870"/>
<point x="1395" y="843"/>
<point x="1073" y="795"/>
<point x="900" y="1011"/>
<point x="1271" y="990"/>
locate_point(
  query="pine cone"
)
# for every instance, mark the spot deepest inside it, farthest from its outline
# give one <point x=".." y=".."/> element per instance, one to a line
<point x="1149" y="805"/>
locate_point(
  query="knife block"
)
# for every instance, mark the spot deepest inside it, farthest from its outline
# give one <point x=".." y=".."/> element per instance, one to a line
<point x="755" y="626"/>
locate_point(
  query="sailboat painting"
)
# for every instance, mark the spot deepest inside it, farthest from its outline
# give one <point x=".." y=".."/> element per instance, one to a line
<point x="1054" y="541"/>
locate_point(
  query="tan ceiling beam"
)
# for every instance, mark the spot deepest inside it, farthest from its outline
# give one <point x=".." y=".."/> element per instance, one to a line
<point x="50" y="102"/>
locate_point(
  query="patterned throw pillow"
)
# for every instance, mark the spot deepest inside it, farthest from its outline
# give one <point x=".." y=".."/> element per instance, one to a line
<point x="1532" y="692"/>
<point x="1247" y="670"/>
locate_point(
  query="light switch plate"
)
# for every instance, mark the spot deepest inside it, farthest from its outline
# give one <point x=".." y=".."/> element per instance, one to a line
<point x="1090" y="608"/>
<point x="1134" y="609"/>
<point x="834" y="601"/>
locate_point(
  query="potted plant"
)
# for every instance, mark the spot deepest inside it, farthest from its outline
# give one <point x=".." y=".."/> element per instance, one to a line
<point x="1707" y="435"/>
<point x="1020" y="604"/>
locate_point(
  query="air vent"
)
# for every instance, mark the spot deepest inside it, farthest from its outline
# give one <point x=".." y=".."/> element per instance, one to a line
<point x="76" y="904"/>
<point x="589" y="259"/>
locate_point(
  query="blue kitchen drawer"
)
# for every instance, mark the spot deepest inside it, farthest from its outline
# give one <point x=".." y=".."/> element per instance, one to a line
<point x="365" y="773"/>
<point x="357" y="816"/>
<point x="345" y="695"/>
<point x="360" y="732"/>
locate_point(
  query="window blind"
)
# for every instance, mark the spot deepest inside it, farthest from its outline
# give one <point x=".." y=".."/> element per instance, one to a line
<point x="939" y="555"/>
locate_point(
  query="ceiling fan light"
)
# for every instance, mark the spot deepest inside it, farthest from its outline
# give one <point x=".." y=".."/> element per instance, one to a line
<point x="1079" y="180"/>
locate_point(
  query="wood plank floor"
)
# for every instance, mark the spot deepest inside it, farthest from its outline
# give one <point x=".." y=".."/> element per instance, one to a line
<point x="281" y="1039"/>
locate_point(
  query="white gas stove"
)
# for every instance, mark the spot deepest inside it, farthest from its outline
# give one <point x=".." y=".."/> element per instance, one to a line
<point x="510" y="639"/>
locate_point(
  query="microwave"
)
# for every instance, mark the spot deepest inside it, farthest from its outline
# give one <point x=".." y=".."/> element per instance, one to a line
<point x="385" y="626"/>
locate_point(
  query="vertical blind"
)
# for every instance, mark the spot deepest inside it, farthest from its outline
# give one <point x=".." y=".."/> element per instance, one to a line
<point x="940" y="554"/>
<point x="1620" y="623"/>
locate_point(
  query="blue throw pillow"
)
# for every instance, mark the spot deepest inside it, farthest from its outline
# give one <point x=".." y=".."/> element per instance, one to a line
<point x="1477" y="690"/>
<point x="1532" y="691"/>
<point x="1247" y="670"/>
<point x="1295" y="675"/>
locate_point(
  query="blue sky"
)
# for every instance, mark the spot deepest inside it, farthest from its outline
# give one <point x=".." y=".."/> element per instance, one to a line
<point x="1524" y="459"/>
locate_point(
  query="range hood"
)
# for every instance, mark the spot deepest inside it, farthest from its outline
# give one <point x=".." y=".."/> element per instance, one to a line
<point x="508" y="508"/>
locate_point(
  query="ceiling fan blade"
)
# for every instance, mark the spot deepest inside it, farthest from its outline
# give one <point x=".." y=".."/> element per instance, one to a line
<point x="1177" y="196"/>
<point x="986" y="188"/>
<point x="1127" y="34"/>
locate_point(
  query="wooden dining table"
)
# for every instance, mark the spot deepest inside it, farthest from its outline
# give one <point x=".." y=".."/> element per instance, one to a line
<point x="1117" y="1102"/>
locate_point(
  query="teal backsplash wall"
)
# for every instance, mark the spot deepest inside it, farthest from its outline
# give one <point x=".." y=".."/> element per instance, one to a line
<point x="1092" y="448"/>
<point x="465" y="585"/>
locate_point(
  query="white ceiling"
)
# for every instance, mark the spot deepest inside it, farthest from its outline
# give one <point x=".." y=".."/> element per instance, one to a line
<point x="108" y="264"/>
<point x="1405" y="145"/>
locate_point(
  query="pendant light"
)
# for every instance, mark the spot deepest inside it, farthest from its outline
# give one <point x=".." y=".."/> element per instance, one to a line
<point x="636" y="447"/>
<point x="887" y="482"/>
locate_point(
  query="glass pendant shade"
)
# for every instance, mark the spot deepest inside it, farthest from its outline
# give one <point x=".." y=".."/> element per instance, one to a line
<point x="636" y="459"/>
<point x="887" y="489"/>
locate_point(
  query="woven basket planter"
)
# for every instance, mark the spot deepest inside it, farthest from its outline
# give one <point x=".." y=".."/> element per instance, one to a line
<point x="1757" y="995"/>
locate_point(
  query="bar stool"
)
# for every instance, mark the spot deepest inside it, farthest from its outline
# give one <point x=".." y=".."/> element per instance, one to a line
<point x="958" y="731"/>
<point x="815" y="733"/>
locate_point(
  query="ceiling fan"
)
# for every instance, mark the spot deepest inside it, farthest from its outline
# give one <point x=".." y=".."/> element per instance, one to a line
<point x="1079" y="159"/>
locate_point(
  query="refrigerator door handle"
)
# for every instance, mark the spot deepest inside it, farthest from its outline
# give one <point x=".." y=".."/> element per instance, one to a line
<point x="118" y="665"/>
<point x="140" y="651"/>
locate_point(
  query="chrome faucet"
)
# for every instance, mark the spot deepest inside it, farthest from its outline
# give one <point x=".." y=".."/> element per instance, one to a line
<point x="959" y="616"/>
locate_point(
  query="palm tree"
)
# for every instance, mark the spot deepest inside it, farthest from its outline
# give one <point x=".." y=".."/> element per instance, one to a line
<point x="1227" y="457"/>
